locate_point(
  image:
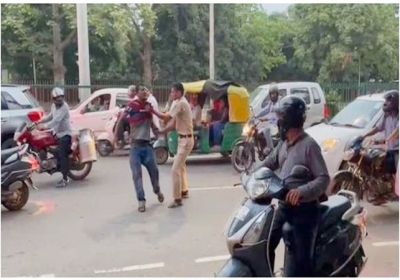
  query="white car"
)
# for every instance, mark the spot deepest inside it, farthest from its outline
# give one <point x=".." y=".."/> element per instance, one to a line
<point x="98" y="109"/>
<point x="356" y="119"/>
<point x="312" y="94"/>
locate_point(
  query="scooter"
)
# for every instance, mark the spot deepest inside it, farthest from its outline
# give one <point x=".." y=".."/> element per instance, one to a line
<point x="17" y="166"/>
<point x="106" y="139"/>
<point x="338" y="248"/>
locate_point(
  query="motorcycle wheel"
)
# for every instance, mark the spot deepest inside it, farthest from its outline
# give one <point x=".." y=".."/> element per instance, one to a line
<point x="78" y="175"/>
<point x="104" y="148"/>
<point x="346" y="182"/>
<point x="19" y="202"/>
<point x="242" y="157"/>
<point x="161" y="154"/>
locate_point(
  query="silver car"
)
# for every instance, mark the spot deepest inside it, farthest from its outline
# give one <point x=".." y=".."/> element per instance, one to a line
<point x="16" y="103"/>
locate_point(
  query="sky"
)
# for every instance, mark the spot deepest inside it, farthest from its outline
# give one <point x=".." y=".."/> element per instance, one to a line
<point x="276" y="8"/>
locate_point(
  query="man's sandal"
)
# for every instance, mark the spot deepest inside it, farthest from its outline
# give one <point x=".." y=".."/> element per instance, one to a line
<point x="175" y="204"/>
<point x="185" y="194"/>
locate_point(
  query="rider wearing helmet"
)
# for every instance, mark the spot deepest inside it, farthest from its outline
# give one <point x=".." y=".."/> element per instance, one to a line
<point x="390" y="126"/>
<point x="300" y="211"/>
<point x="269" y="115"/>
<point x="59" y="121"/>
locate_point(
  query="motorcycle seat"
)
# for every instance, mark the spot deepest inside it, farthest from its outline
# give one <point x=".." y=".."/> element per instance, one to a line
<point x="5" y="154"/>
<point x="333" y="210"/>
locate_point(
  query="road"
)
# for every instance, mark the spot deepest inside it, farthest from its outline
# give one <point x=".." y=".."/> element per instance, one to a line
<point x="93" y="228"/>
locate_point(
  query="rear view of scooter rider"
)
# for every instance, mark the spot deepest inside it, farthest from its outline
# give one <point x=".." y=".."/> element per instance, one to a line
<point x="299" y="215"/>
<point x="59" y="120"/>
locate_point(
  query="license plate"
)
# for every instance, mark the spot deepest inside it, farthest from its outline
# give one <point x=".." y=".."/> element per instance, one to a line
<point x="242" y="213"/>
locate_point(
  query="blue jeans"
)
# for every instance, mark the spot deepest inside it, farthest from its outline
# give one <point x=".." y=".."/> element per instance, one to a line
<point x="217" y="128"/>
<point x="144" y="155"/>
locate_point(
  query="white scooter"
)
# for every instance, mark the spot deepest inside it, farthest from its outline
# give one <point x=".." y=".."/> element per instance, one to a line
<point x="105" y="142"/>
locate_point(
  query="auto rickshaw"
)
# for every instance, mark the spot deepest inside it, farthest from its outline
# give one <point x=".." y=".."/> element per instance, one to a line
<point x="238" y="100"/>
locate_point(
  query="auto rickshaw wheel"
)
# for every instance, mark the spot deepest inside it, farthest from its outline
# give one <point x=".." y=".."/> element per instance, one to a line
<point x="161" y="154"/>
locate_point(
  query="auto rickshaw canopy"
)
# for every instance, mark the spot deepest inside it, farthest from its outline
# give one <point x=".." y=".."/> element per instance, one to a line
<point x="238" y="97"/>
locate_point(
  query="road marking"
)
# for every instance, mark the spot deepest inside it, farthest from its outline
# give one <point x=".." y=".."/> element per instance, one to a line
<point x="44" y="207"/>
<point x="41" y="276"/>
<point x="385" y="244"/>
<point x="131" y="268"/>
<point x="213" y="259"/>
<point x="214" y="188"/>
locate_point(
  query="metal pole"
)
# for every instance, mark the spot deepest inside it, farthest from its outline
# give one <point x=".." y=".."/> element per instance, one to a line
<point x="359" y="74"/>
<point x="34" y="70"/>
<point x="212" y="64"/>
<point x="83" y="51"/>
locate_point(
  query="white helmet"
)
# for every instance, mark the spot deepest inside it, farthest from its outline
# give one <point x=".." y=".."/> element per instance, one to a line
<point x="56" y="92"/>
<point x="131" y="88"/>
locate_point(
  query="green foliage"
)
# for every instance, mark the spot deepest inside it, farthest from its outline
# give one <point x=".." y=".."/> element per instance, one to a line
<point x="170" y="42"/>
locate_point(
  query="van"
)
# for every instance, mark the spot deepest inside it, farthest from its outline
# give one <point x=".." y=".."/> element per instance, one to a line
<point x="311" y="93"/>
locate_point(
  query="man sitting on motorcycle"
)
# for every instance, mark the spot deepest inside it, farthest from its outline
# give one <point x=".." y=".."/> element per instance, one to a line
<point x="59" y="121"/>
<point x="268" y="114"/>
<point x="301" y="210"/>
<point x="390" y="126"/>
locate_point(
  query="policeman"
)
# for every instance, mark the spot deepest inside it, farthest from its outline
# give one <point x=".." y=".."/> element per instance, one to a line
<point x="300" y="211"/>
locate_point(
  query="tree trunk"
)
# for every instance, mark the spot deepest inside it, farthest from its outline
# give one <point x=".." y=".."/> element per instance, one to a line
<point x="58" y="51"/>
<point x="147" y="71"/>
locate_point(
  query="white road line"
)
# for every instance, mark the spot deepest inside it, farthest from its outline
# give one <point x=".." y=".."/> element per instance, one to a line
<point x="41" y="276"/>
<point x="214" y="188"/>
<point x="385" y="244"/>
<point x="213" y="259"/>
<point x="131" y="268"/>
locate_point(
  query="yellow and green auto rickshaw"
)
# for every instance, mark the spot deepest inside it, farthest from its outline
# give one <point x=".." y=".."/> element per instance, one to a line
<point x="211" y="92"/>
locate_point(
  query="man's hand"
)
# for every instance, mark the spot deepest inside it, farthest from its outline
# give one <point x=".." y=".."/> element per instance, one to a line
<point x="40" y="126"/>
<point x="293" y="197"/>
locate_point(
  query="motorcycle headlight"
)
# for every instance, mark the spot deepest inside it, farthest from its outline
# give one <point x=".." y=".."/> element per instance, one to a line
<point x="247" y="130"/>
<point x="254" y="233"/>
<point x="257" y="188"/>
<point x="348" y="155"/>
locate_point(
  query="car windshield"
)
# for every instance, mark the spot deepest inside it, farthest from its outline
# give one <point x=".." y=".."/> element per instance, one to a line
<point x="15" y="99"/>
<point x="358" y="113"/>
<point x="258" y="95"/>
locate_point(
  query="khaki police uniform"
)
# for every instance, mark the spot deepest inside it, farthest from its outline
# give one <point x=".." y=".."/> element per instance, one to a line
<point x="182" y="114"/>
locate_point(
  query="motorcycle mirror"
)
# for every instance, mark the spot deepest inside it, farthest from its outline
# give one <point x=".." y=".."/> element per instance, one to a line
<point x="300" y="171"/>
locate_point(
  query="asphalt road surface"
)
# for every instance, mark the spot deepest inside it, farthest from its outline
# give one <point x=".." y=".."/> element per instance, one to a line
<point x="93" y="228"/>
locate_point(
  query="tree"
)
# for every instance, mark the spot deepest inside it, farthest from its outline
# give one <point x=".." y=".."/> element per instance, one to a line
<point x="327" y="35"/>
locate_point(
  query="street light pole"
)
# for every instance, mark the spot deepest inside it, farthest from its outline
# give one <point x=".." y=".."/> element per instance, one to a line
<point x="211" y="58"/>
<point x="83" y="51"/>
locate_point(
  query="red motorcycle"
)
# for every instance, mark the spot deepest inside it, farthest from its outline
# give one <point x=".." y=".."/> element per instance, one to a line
<point x="44" y="144"/>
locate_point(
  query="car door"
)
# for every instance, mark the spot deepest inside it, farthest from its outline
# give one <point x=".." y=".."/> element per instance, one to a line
<point x="318" y="105"/>
<point x="94" y="114"/>
<point x="304" y="92"/>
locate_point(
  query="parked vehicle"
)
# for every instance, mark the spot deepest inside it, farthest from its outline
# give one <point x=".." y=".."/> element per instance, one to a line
<point x="244" y="152"/>
<point x="96" y="111"/>
<point x="357" y="118"/>
<point x="239" y="114"/>
<point x="106" y="139"/>
<point x="43" y="145"/>
<point x="338" y="249"/>
<point x="17" y="166"/>
<point x="365" y="174"/>
<point x="312" y="93"/>
<point x="17" y="103"/>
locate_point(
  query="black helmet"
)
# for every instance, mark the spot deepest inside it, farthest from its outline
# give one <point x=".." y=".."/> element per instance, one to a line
<point x="392" y="101"/>
<point x="291" y="112"/>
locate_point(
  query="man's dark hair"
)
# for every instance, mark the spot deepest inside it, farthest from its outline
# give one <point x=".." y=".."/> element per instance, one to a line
<point x="137" y="88"/>
<point x="178" y="87"/>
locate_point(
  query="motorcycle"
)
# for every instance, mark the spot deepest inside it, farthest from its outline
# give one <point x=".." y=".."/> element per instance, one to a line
<point x="338" y="247"/>
<point x="17" y="166"/>
<point x="106" y="139"/>
<point x="365" y="173"/>
<point x="243" y="153"/>
<point x="43" y="144"/>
